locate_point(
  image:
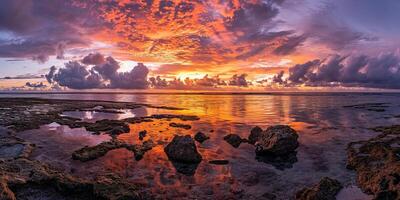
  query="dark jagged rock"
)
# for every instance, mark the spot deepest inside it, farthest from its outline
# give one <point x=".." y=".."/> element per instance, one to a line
<point x="201" y="137"/>
<point x="277" y="140"/>
<point x="233" y="140"/>
<point x="90" y="153"/>
<point x="376" y="162"/>
<point x="142" y="134"/>
<point x="140" y="150"/>
<point x="179" y="125"/>
<point x="183" y="149"/>
<point x="219" y="162"/>
<point x="326" y="189"/>
<point x="255" y="134"/>
<point x="26" y="179"/>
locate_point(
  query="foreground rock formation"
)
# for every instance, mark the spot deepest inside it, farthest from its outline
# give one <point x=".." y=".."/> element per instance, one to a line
<point x="277" y="140"/>
<point x="182" y="152"/>
<point x="377" y="164"/>
<point x="25" y="179"/>
<point x="183" y="149"/>
<point x="326" y="189"/>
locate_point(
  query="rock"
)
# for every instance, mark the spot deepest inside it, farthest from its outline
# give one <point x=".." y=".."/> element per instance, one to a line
<point x="376" y="162"/>
<point x="326" y="189"/>
<point x="268" y="196"/>
<point x="277" y="140"/>
<point x="25" y="179"/>
<point x="219" y="162"/>
<point x="255" y="134"/>
<point x="12" y="147"/>
<point x="183" y="149"/>
<point x="201" y="137"/>
<point x="90" y="153"/>
<point x="142" y="134"/>
<point x="179" y="125"/>
<point x="233" y="140"/>
<point x="140" y="150"/>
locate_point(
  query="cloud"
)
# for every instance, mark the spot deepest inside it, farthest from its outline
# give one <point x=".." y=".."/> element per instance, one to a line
<point x="77" y="75"/>
<point x="35" y="85"/>
<point x="93" y="59"/>
<point x="238" y="80"/>
<point x="382" y="71"/>
<point x="188" y="83"/>
<point x="39" y="29"/>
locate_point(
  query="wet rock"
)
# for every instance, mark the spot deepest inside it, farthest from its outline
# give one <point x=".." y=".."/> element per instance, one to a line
<point x="376" y="162"/>
<point x="112" y="127"/>
<point x="233" y="140"/>
<point x="90" y="153"/>
<point x="183" y="149"/>
<point x="277" y="140"/>
<point x="179" y="125"/>
<point x="140" y="150"/>
<point x="326" y="189"/>
<point x="12" y="147"/>
<point x="255" y="134"/>
<point x="219" y="162"/>
<point x="201" y="137"/>
<point x="142" y="134"/>
<point x="26" y="179"/>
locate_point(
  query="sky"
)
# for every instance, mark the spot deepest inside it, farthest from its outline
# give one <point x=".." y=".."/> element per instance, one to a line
<point x="199" y="44"/>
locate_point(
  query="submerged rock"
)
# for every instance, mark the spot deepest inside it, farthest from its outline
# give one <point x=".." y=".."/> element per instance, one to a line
<point x="183" y="149"/>
<point x="140" y="150"/>
<point x="326" y="189"/>
<point x="142" y="134"/>
<point x="255" y="134"/>
<point x="280" y="162"/>
<point x="179" y="125"/>
<point x="376" y="162"/>
<point x="233" y="140"/>
<point x="219" y="162"/>
<point x="201" y="137"/>
<point x="277" y="140"/>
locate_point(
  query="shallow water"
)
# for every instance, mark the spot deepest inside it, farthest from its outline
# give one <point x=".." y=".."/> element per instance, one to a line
<point x="324" y="125"/>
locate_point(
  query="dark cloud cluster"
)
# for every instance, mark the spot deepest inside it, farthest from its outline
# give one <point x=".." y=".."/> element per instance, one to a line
<point x="77" y="75"/>
<point x="35" y="85"/>
<point x="239" y="80"/>
<point x="199" y="83"/>
<point x="381" y="71"/>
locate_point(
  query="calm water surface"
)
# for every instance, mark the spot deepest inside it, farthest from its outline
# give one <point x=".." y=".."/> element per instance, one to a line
<point x="324" y="125"/>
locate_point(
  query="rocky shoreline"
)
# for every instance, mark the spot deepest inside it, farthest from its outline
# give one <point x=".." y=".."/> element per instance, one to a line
<point x="376" y="161"/>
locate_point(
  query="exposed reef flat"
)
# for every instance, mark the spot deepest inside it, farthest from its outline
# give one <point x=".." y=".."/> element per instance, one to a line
<point x="22" y="114"/>
<point x="377" y="164"/>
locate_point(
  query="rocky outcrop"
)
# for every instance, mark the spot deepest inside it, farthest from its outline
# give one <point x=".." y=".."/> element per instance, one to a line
<point x="277" y="140"/>
<point x="142" y="134"/>
<point x="255" y="135"/>
<point x="234" y="140"/>
<point x="183" y="149"/>
<point x="201" y="137"/>
<point x="179" y="125"/>
<point x="326" y="189"/>
<point x="25" y="179"/>
<point x="376" y="162"/>
<point x="90" y="153"/>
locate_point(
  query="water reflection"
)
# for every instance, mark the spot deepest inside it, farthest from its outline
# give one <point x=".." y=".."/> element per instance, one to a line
<point x="324" y="125"/>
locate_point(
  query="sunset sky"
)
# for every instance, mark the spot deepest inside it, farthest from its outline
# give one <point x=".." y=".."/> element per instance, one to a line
<point x="199" y="44"/>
